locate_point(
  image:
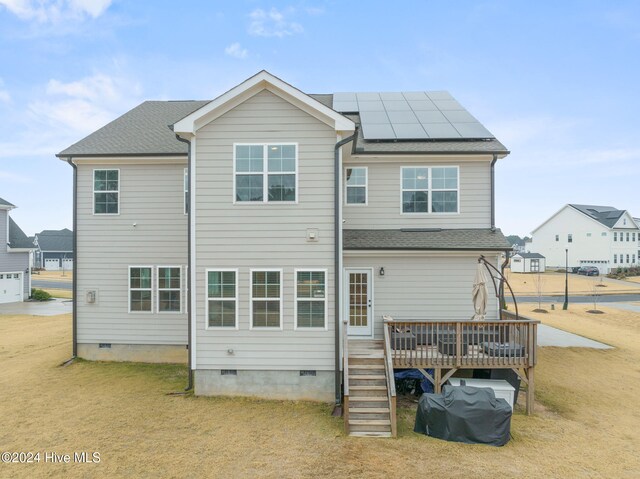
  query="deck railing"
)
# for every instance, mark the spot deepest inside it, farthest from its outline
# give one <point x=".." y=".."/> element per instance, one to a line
<point x="391" y="382"/>
<point x="462" y="343"/>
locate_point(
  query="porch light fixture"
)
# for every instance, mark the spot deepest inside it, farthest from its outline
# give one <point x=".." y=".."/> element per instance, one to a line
<point x="381" y="272"/>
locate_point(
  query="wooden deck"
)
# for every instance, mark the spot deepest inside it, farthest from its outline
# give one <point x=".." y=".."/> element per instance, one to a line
<point x="447" y="346"/>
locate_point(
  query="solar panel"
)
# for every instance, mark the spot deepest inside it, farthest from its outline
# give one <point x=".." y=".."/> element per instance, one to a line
<point x="410" y="115"/>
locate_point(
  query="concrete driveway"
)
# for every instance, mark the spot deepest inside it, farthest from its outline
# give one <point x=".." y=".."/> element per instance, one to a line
<point x="37" y="308"/>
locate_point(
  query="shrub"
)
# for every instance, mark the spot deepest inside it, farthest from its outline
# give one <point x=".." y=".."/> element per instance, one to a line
<point x="39" y="295"/>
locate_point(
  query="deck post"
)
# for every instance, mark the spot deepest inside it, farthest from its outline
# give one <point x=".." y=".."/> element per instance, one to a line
<point x="530" y="390"/>
<point x="438" y="378"/>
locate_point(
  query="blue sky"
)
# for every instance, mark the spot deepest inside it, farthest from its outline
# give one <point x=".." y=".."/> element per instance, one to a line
<point x="557" y="82"/>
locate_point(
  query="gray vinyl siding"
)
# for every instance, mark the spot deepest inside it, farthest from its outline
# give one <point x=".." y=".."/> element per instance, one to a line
<point x="384" y="189"/>
<point x="247" y="236"/>
<point x="151" y="195"/>
<point x="13" y="261"/>
<point x="416" y="286"/>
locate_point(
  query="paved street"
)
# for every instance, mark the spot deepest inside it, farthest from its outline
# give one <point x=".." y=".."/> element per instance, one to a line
<point x="55" y="284"/>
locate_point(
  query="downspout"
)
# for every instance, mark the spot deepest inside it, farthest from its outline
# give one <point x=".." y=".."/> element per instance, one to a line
<point x="337" y="256"/>
<point x="493" y="192"/>
<point x="74" y="301"/>
<point x="189" y="362"/>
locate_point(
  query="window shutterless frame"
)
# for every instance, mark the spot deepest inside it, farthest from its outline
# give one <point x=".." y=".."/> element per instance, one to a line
<point x="159" y="289"/>
<point x="265" y="173"/>
<point x="93" y="189"/>
<point x="149" y="289"/>
<point x="251" y="298"/>
<point x="430" y="190"/>
<point x="311" y="298"/>
<point x="222" y="298"/>
<point x="365" y="185"/>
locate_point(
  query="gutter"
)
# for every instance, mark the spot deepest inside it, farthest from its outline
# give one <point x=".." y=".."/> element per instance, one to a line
<point x="337" y="257"/>
<point x="74" y="301"/>
<point x="493" y="192"/>
<point x="189" y="318"/>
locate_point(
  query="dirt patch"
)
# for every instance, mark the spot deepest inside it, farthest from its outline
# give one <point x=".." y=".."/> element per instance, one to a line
<point x="127" y="413"/>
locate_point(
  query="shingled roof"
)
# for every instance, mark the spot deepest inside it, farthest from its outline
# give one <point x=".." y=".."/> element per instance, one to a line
<point x="426" y="239"/>
<point x="17" y="238"/>
<point x="56" y="240"/>
<point x="146" y="131"/>
<point x="607" y="215"/>
<point x="5" y="203"/>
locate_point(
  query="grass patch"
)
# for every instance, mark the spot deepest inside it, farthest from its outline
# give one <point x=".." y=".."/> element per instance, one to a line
<point x="59" y="293"/>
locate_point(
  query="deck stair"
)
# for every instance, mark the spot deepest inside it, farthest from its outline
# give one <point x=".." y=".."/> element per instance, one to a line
<point x="368" y="412"/>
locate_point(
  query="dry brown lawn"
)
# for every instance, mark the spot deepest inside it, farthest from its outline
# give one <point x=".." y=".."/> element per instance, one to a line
<point x="553" y="283"/>
<point x="634" y="279"/>
<point x="587" y="424"/>
<point x="57" y="275"/>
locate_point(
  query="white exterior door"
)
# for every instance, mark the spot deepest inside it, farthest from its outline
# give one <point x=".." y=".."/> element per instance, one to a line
<point x="52" y="264"/>
<point x="359" y="301"/>
<point x="10" y="287"/>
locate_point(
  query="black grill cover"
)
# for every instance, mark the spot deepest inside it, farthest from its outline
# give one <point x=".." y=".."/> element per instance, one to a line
<point x="465" y="414"/>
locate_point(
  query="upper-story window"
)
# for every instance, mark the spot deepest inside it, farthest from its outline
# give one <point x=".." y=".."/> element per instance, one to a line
<point x="557" y="237"/>
<point x="633" y="237"/>
<point x="430" y="189"/>
<point x="569" y="238"/>
<point x="627" y="237"/>
<point x="265" y="173"/>
<point x="106" y="192"/>
<point x="356" y="180"/>
<point x="615" y="236"/>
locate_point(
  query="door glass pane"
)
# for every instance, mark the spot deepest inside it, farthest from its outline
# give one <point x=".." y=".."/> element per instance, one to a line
<point x="358" y="299"/>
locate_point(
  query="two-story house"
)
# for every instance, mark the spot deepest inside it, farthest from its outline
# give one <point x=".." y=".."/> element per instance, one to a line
<point x="54" y="250"/>
<point x="15" y="273"/>
<point x="588" y="235"/>
<point x="247" y="228"/>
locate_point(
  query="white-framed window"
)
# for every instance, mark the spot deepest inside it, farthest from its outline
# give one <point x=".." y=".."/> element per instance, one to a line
<point x="140" y="289"/>
<point x="633" y="237"/>
<point x="106" y="192"/>
<point x="633" y="259"/>
<point x="266" y="299"/>
<point x="604" y="233"/>
<point x="627" y="259"/>
<point x="628" y="237"/>
<point x="615" y="236"/>
<point x="186" y="191"/>
<point x="169" y="294"/>
<point x="356" y="184"/>
<point x="569" y="238"/>
<point x="430" y="189"/>
<point x="222" y="298"/>
<point x="588" y="235"/>
<point x="615" y="259"/>
<point x="557" y="237"/>
<point x="311" y="299"/>
<point x="265" y="173"/>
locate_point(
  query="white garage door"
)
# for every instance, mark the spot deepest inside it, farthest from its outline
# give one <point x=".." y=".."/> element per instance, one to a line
<point x="10" y="287"/>
<point x="67" y="264"/>
<point x="52" y="264"/>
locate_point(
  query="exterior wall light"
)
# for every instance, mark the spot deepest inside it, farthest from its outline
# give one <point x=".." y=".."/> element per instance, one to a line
<point x="381" y="272"/>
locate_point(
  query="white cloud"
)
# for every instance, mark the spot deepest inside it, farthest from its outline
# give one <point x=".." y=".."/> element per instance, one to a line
<point x="55" y="11"/>
<point x="236" y="51"/>
<point x="84" y="105"/>
<point x="273" y="23"/>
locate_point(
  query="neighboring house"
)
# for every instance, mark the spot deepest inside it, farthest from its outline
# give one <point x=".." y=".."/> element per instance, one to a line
<point x="249" y="232"/>
<point x="15" y="274"/>
<point x="528" y="263"/>
<point x="54" y="250"/>
<point x="517" y="243"/>
<point x="600" y="236"/>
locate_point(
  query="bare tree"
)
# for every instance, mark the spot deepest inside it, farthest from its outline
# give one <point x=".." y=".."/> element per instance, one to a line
<point x="538" y="281"/>
<point x="595" y="294"/>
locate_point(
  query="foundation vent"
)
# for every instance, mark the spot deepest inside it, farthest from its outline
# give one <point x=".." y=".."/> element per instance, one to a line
<point x="104" y="345"/>
<point x="307" y="372"/>
<point x="228" y="372"/>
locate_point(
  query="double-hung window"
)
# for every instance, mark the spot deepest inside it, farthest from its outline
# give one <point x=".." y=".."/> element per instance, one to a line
<point x="222" y="297"/>
<point x="430" y="189"/>
<point x="615" y="236"/>
<point x="265" y="173"/>
<point x="356" y="183"/>
<point x="169" y="289"/>
<point x="106" y="192"/>
<point x="311" y="299"/>
<point x="140" y="288"/>
<point x="266" y="299"/>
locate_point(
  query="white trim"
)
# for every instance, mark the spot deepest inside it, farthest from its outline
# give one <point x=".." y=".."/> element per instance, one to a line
<point x="150" y="289"/>
<point x="185" y="187"/>
<point x="192" y="265"/>
<point x="236" y="299"/>
<point x="158" y="289"/>
<point x="260" y="270"/>
<point x="265" y="173"/>
<point x="366" y="186"/>
<point x="429" y="191"/>
<point x="296" y="299"/>
<point x="370" y="294"/>
<point x="129" y="160"/>
<point x="251" y="86"/>
<point x="417" y="253"/>
<point x="93" y="188"/>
